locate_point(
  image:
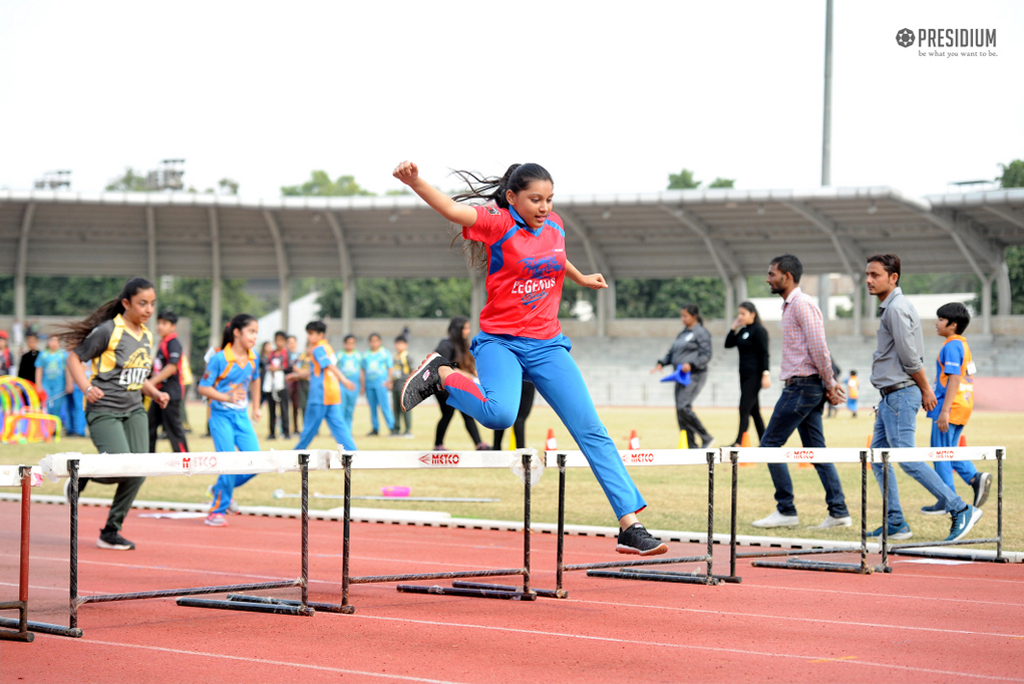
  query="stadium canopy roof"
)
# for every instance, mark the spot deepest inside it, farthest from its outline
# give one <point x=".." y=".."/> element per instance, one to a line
<point x="724" y="233"/>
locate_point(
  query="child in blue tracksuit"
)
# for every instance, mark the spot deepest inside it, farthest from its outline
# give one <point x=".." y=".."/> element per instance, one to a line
<point x="51" y="377"/>
<point x="376" y="364"/>
<point x="350" y="363"/>
<point x="325" y="383"/>
<point x="232" y="383"/>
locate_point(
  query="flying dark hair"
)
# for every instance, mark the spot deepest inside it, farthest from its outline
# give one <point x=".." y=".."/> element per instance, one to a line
<point x="492" y="189"/>
<point x="237" y="323"/>
<point x="167" y="315"/>
<point x="463" y="358"/>
<point x="73" y="333"/>
<point x="955" y="312"/>
<point x="749" y="306"/>
<point x="317" y="326"/>
<point x="787" y="263"/>
<point x="890" y="262"/>
<point x="694" y="311"/>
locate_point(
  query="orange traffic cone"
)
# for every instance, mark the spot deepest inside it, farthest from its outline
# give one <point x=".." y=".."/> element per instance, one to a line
<point x="868" y="444"/>
<point x="634" y="441"/>
<point x="551" y="444"/>
<point x="745" y="440"/>
<point x="963" y="440"/>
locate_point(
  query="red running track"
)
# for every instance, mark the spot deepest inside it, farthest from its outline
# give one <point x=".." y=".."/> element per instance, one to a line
<point x="922" y="623"/>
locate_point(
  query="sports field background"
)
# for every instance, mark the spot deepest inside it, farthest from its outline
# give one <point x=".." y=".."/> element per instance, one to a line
<point x="676" y="496"/>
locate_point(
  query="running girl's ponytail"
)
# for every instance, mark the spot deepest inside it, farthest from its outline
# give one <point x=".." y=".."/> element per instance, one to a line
<point x="492" y="189"/>
<point x="74" y="333"/>
<point x="236" y="323"/>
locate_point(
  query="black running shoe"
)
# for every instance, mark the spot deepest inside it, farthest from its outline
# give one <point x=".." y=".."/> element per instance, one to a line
<point x="425" y="382"/>
<point x="111" y="539"/>
<point x="981" y="483"/>
<point x="637" y="541"/>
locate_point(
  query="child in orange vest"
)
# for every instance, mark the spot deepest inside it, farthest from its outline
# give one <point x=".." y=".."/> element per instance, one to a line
<point x="954" y="390"/>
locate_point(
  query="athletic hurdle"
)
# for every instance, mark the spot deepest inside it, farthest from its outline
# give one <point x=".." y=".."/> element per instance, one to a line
<point x="924" y="454"/>
<point x="812" y="455"/>
<point x="75" y="465"/>
<point x="15" y="476"/>
<point x="639" y="457"/>
<point x="524" y="462"/>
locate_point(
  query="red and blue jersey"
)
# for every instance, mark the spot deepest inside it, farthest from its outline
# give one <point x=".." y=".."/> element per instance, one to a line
<point x="525" y="271"/>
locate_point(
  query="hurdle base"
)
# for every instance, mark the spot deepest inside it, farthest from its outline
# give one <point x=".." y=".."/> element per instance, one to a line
<point x="474" y="593"/>
<point x="324" y="607"/>
<point x="921" y="553"/>
<point x="819" y="566"/>
<point x="654" y="576"/>
<point x="728" y="579"/>
<point x="43" y="628"/>
<point x="271" y="608"/>
<point x="545" y="593"/>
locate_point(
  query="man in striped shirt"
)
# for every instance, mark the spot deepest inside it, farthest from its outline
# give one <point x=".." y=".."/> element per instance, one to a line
<point x="808" y="382"/>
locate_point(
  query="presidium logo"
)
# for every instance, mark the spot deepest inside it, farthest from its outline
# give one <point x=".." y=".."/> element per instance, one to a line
<point x="968" y="41"/>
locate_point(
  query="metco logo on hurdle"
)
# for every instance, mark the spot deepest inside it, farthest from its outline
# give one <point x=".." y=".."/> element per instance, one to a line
<point x="942" y="455"/>
<point x="190" y="462"/>
<point x="631" y="458"/>
<point x="800" y="454"/>
<point x="439" y="459"/>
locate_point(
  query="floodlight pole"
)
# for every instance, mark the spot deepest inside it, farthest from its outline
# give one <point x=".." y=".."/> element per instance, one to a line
<point x="826" y="128"/>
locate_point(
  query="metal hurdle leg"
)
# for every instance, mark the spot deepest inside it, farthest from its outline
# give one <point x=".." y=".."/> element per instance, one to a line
<point x="709" y="578"/>
<point x="794" y="563"/>
<point x="242" y="602"/>
<point x="924" y="549"/>
<point x="496" y="591"/>
<point x="476" y="591"/>
<point x="21" y="605"/>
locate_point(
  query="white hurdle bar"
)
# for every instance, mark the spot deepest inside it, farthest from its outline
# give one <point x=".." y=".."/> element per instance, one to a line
<point x="886" y="457"/>
<point x="102" y="466"/>
<point x="526" y="459"/>
<point x="640" y="457"/>
<point x="797" y="455"/>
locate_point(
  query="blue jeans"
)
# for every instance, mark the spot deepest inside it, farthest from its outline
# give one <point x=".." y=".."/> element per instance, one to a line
<point x="951" y="438"/>
<point x="799" y="408"/>
<point x="895" y="426"/>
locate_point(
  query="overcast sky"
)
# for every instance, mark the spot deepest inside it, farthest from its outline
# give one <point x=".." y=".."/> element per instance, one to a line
<point x="610" y="97"/>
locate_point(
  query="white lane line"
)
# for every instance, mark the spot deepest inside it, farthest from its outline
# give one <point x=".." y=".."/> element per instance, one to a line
<point x="719" y="649"/>
<point x="203" y="654"/>
<point x="798" y="619"/>
<point x="868" y="593"/>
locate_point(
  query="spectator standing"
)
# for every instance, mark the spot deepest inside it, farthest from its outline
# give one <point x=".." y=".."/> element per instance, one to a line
<point x="350" y="363"/>
<point x="6" y="360"/>
<point x="278" y="366"/>
<point x="52" y="378"/>
<point x="27" y="364"/>
<point x="400" y="372"/>
<point x="899" y="375"/>
<point x="292" y="385"/>
<point x="808" y="382"/>
<point x="690" y="353"/>
<point x="852" y="392"/>
<point x="454" y="349"/>
<point x="376" y="364"/>
<point x="751" y="340"/>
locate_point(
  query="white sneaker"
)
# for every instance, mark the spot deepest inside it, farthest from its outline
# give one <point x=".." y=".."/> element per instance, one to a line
<point x="829" y="522"/>
<point x="777" y="519"/>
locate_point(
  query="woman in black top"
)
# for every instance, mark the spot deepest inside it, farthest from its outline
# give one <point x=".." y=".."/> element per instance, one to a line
<point x="455" y="350"/>
<point x="750" y="337"/>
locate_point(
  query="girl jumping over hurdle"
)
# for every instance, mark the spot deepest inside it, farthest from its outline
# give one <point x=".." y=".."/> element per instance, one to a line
<point x="115" y="338"/>
<point x="520" y="242"/>
<point x="232" y="383"/>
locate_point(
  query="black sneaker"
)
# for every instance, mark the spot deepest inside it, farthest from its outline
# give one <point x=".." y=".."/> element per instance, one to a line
<point x="372" y="433"/>
<point x="637" y="541"/>
<point x="111" y="539"/>
<point x="981" y="483"/>
<point x="425" y="382"/>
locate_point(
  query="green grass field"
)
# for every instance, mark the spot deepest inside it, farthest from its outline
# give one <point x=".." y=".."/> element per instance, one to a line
<point x="676" y="496"/>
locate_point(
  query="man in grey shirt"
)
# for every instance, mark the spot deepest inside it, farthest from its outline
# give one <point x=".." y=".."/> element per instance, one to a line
<point x="899" y="375"/>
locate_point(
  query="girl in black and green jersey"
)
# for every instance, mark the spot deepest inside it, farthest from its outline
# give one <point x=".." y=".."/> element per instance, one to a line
<point x="115" y="339"/>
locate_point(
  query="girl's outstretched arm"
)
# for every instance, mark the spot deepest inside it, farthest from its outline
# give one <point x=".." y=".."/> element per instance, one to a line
<point x="594" y="281"/>
<point x="459" y="214"/>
